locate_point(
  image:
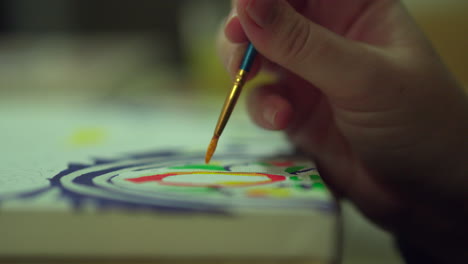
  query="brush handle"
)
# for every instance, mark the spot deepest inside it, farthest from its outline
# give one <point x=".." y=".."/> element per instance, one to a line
<point x="231" y="99"/>
<point x="235" y="92"/>
<point x="249" y="58"/>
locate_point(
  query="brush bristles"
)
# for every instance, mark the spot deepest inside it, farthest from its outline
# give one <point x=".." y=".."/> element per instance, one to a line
<point x="211" y="149"/>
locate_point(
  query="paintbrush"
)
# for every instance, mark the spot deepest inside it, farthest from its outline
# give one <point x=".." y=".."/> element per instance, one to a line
<point x="231" y="99"/>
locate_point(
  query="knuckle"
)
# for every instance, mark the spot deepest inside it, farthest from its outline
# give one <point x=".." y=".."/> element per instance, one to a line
<point x="297" y="42"/>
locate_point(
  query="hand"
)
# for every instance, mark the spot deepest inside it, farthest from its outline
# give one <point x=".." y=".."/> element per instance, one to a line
<point x="361" y="90"/>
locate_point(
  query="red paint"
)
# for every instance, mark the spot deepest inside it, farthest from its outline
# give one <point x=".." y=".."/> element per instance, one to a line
<point x="159" y="177"/>
<point x="282" y="163"/>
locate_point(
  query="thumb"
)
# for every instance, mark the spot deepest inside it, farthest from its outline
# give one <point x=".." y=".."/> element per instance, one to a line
<point x="321" y="57"/>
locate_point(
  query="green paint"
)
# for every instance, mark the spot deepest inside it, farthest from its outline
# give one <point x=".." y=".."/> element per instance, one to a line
<point x="294" y="178"/>
<point x="199" y="167"/>
<point x="315" y="177"/>
<point x="294" y="169"/>
<point x="318" y="185"/>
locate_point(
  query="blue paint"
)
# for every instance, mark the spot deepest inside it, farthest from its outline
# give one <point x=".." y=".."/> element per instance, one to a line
<point x="86" y="179"/>
<point x="115" y="197"/>
<point x="77" y="200"/>
<point x="302" y="171"/>
<point x="27" y="194"/>
<point x="155" y="154"/>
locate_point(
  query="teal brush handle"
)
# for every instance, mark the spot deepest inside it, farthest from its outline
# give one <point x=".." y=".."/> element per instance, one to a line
<point x="249" y="58"/>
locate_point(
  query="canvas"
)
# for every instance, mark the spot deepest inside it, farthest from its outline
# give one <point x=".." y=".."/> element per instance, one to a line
<point x="144" y="171"/>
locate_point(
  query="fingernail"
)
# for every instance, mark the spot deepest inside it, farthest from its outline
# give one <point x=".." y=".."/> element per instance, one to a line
<point x="262" y="11"/>
<point x="269" y="114"/>
<point x="232" y="14"/>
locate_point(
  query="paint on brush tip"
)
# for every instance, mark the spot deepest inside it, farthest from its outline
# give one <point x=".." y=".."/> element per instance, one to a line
<point x="211" y="149"/>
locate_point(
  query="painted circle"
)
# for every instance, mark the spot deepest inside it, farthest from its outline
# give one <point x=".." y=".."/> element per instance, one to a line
<point x="209" y="179"/>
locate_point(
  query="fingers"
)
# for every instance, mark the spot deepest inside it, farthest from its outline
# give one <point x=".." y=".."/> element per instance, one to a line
<point x="233" y="28"/>
<point x="314" y="53"/>
<point x="231" y="45"/>
<point x="268" y="108"/>
<point x="284" y="105"/>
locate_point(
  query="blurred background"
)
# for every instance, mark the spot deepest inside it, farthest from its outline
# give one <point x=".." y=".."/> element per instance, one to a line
<point x="109" y="50"/>
<point x="137" y="52"/>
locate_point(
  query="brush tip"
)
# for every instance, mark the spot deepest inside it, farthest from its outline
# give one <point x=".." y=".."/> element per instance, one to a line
<point x="211" y="149"/>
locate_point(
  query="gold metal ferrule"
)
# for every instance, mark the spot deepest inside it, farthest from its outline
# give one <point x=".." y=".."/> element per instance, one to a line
<point x="230" y="102"/>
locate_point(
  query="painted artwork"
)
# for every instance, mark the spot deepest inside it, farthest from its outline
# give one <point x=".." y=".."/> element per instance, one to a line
<point x="181" y="182"/>
<point x="101" y="160"/>
<point x="97" y="182"/>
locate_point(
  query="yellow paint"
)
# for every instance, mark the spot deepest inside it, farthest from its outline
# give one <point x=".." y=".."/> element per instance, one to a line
<point x="257" y="193"/>
<point x="269" y="192"/>
<point x="86" y="137"/>
<point x="280" y="192"/>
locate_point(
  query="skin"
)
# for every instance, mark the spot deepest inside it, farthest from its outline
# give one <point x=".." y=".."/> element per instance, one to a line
<point x="360" y="89"/>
